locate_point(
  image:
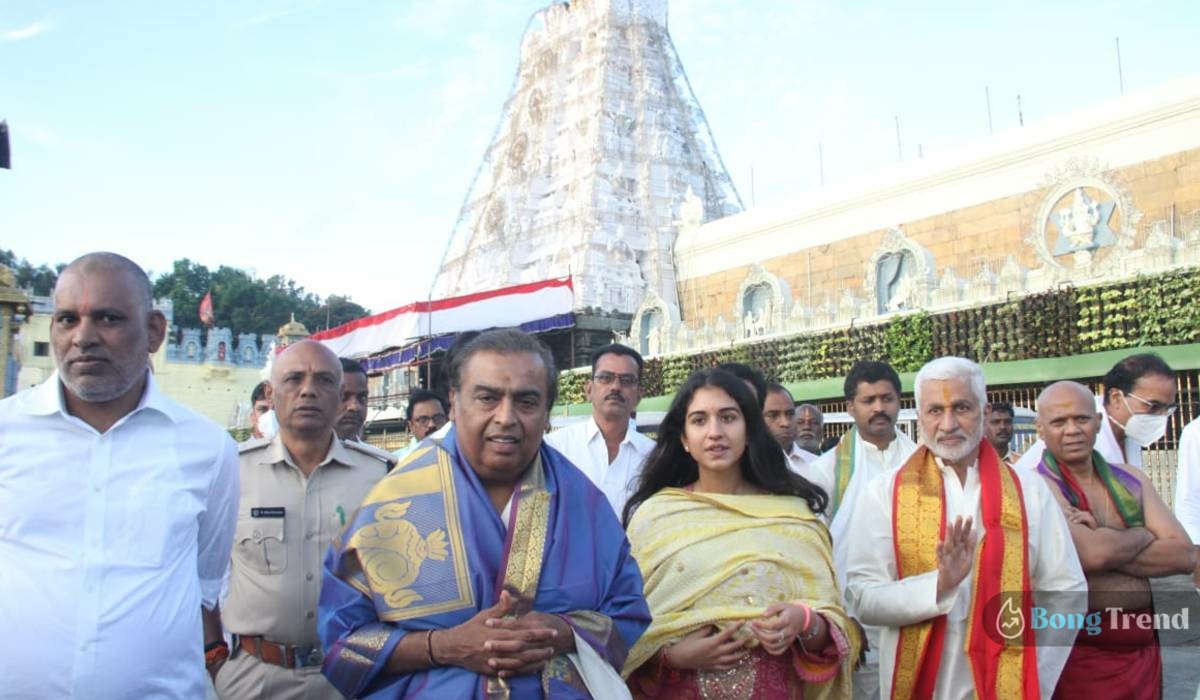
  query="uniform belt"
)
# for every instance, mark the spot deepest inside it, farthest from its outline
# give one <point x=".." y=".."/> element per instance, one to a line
<point x="278" y="653"/>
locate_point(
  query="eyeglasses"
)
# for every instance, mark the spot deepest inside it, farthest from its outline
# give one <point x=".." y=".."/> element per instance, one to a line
<point x="1157" y="408"/>
<point x="438" y="419"/>
<point x="608" y="378"/>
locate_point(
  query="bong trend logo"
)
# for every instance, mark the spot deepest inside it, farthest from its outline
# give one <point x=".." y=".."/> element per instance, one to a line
<point x="1010" y="621"/>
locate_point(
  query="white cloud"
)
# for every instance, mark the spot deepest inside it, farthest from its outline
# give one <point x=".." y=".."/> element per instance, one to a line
<point x="28" y="32"/>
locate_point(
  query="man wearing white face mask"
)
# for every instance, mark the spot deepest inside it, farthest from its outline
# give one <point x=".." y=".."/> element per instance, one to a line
<point x="1138" y="398"/>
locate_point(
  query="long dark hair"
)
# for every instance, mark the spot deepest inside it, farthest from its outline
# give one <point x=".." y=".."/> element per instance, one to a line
<point x="763" y="463"/>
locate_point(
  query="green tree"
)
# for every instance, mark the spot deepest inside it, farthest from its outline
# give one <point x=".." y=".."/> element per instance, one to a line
<point x="248" y="305"/>
<point x="40" y="280"/>
<point x="185" y="285"/>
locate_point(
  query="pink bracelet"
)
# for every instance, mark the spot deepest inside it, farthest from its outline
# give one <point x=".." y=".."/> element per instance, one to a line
<point x="807" y="618"/>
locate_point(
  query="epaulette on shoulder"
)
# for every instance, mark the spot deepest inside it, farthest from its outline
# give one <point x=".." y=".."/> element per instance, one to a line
<point x="253" y="444"/>
<point x="373" y="451"/>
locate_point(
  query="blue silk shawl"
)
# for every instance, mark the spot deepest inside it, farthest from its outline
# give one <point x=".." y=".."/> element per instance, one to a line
<point x="427" y="550"/>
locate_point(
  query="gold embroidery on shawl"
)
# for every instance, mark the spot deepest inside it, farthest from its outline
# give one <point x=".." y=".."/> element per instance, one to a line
<point x="1010" y="671"/>
<point x="391" y="550"/>
<point x="918" y="521"/>
<point x="525" y="553"/>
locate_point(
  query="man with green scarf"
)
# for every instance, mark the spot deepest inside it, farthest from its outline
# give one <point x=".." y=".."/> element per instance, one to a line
<point x="1124" y="534"/>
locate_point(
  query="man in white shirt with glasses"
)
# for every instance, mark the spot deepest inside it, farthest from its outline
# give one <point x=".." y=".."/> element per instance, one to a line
<point x="607" y="446"/>
<point x="1138" y="399"/>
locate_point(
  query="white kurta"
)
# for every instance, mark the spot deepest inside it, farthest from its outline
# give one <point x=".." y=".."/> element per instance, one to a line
<point x="1106" y="445"/>
<point x="583" y="444"/>
<point x="876" y="597"/>
<point x="1187" y="484"/>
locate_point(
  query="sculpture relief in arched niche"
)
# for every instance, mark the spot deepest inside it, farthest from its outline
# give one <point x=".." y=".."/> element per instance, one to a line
<point x="652" y="325"/>
<point x="900" y="274"/>
<point x="1086" y="215"/>
<point x="762" y="303"/>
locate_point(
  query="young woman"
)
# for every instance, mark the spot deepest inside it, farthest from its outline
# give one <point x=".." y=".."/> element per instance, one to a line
<point x="738" y="569"/>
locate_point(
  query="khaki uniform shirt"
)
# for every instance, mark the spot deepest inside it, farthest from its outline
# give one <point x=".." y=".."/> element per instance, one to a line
<point x="284" y="526"/>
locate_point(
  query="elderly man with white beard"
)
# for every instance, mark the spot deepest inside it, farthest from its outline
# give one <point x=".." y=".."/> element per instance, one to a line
<point x="955" y="550"/>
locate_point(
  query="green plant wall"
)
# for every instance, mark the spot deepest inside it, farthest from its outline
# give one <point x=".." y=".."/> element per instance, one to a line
<point x="1161" y="309"/>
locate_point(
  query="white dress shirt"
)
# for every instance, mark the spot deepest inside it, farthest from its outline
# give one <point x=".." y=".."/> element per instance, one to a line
<point x="583" y="444"/>
<point x="109" y="544"/>
<point x="874" y="596"/>
<point x="869" y="462"/>
<point x="799" y="459"/>
<point x="1187" y="480"/>
<point x="1106" y="445"/>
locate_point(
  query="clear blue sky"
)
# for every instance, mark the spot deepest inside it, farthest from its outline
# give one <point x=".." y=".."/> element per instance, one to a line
<point x="333" y="142"/>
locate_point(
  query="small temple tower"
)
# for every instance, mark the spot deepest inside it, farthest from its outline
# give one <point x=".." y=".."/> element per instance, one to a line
<point x="14" y="304"/>
<point x="291" y="332"/>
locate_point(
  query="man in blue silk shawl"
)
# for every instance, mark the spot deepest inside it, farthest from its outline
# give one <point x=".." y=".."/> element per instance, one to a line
<point x="485" y="565"/>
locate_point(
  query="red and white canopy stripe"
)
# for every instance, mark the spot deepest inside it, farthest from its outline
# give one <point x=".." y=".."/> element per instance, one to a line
<point x="498" y="308"/>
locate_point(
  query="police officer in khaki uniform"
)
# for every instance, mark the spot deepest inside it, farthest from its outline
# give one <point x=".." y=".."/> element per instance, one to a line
<point x="298" y="490"/>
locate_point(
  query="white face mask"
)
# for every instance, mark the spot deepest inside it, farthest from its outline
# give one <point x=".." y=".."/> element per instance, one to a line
<point x="1143" y="428"/>
<point x="268" y="424"/>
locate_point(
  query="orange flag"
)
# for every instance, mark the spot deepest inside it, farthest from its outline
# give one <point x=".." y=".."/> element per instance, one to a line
<point x="206" y="310"/>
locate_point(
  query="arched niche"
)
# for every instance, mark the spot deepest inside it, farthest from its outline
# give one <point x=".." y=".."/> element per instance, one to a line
<point x="900" y="274"/>
<point x="653" y="325"/>
<point x="762" y="303"/>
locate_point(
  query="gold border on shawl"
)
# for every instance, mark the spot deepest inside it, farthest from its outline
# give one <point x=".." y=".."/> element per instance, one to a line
<point x="918" y="522"/>
<point x="528" y="544"/>
<point x="1010" y="670"/>
<point x="431" y="479"/>
<point x="525" y="554"/>
<point x="843" y="469"/>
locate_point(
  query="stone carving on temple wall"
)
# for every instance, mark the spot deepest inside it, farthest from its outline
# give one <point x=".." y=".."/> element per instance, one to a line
<point x="247" y="349"/>
<point x="850" y="308"/>
<point x="824" y="313"/>
<point x="949" y="290"/>
<point x="1189" y="254"/>
<point x="900" y="274"/>
<point x="217" y="347"/>
<point x="1084" y="223"/>
<point x="1012" y="277"/>
<point x="762" y="303"/>
<point x="654" y="326"/>
<point x="984" y="285"/>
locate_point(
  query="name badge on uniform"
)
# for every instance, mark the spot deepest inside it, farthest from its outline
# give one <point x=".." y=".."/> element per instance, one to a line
<point x="271" y="512"/>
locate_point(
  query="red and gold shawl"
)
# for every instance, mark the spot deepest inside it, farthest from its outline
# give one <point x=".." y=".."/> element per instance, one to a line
<point x="1001" y="597"/>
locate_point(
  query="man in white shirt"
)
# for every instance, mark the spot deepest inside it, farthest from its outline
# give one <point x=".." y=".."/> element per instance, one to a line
<point x="117" y="508"/>
<point x="1187" y="487"/>
<point x="426" y="415"/>
<point x="780" y="413"/>
<point x="913" y="568"/>
<point x="607" y="447"/>
<point x="871" y="448"/>
<point x="1138" y="398"/>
